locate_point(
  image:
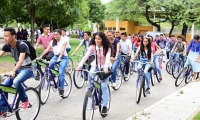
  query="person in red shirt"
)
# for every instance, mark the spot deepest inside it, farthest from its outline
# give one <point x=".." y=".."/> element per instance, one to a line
<point x="134" y="39"/>
<point x="138" y="42"/>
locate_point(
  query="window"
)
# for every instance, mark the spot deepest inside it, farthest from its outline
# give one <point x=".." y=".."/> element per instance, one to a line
<point x="114" y="28"/>
<point x="122" y="29"/>
<point x="109" y="28"/>
<point x="105" y="28"/>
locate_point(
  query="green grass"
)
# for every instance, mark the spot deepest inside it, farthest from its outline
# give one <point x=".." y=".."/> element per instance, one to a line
<point x="197" y="116"/>
<point x="73" y="42"/>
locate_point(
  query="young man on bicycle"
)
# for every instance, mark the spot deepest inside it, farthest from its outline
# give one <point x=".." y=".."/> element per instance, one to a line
<point x="22" y="70"/>
<point x="126" y="49"/>
<point x="170" y="44"/>
<point x="45" y="38"/>
<point x="64" y="36"/>
<point x="162" y="43"/>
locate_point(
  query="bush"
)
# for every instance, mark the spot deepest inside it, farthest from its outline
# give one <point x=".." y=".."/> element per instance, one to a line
<point x="74" y="35"/>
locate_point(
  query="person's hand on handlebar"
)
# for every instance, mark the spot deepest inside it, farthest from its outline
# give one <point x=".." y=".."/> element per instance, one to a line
<point x="78" y="68"/>
<point x="39" y="58"/>
<point x="12" y="74"/>
<point x="105" y="69"/>
<point x="184" y="53"/>
<point x="58" y="60"/>
<point x="73" y="54"/>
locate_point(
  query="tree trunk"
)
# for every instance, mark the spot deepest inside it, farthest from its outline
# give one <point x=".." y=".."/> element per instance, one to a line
<point x="172" y="28"/>
<point x="51" y="25"/>
<point x="184" y="29"/>
<point x="148" y="19"/>
<point x="32" y="16"/>
<point x="42" y="23"/>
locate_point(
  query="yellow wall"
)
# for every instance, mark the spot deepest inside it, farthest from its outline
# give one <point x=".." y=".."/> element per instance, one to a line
<point x="188" y="37"/>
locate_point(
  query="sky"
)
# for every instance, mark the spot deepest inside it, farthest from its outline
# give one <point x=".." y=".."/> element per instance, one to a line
<point x="105" y="1"/>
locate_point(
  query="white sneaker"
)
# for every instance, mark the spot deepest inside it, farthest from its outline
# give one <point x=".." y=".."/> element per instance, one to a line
<point x="125" y="75"/>
<point x="113" y="85"/>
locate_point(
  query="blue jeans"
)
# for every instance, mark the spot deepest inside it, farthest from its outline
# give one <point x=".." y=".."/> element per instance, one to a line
<point x="68" y="49"/>
<point x="147" y="74"/>
<point x="62" y="68"/>
<point x="115" y="65"/>
<point x="104" y="86"/>
<point x="156" y="63"/>
<point x="21" y="76"/>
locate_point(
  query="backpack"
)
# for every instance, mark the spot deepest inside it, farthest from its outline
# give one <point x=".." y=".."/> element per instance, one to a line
<point x="32" y="50"/>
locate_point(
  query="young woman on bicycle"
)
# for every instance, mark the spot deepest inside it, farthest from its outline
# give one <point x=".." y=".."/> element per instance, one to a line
<point x="156" y="51"/>
<point x="146" y="56"/>
<point x="100" y="45"/>
<point x="116" y="56"/>
<point x="194" y="56"/>
<point x="60" y="55"/>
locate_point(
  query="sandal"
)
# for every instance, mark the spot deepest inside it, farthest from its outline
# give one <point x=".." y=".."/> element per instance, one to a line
<point x="193" y="80"/>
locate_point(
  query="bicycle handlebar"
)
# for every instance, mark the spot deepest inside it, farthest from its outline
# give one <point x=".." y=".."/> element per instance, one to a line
<point x="5" y="75"/>
<point x="45" y="61"/>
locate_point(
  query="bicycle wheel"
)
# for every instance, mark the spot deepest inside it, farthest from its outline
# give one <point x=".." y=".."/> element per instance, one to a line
<point x="78" y="78"/>
<point x="152" y="78"/>
<point x="67" y="85"/>
<point x="139" y="87"/>
<point x="108" y="103"/>
<point x="88" y="106"/>
<point x="131" y="69"/>
<point x="70" y="66"/>
<point x="144" y="89"/>
<point x="180" y="78"/>
<point x="189" y="76"/>
<point x="129" y="75"/>
<point x="34" y="81"/>
<point x="44" y="90"/>
<point x="118" y="79"/>
<point x="176" y="71"/>
<point x="169" y="67"/>
<point x="33" y="109"/>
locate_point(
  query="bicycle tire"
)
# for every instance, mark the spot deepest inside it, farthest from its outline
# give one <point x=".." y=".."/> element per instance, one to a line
<point x="70" y="66"/>
<point x="189" y="77"/>
<point x="139" y="90"/>
<point x="118" y="79"/>
<point x="152" y="78"/>
<point x="67" y="85"/>
<point x="26" y="115"/>
<point x="45" y="83"/>
<point x="179" y="77"/>
<point x="37" y="80"/>
<point x="126" y="79"/>
<point x="82" y="81"/>
<point x="85" y="103"/>
<point x="169" y="67"/>
<point x="143" y="89"/>
<point x="108" y="104"/>
<point x="176" y="72"/>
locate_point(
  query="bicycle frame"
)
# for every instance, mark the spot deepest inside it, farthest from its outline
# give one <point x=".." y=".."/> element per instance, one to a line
<point x="141" y="73"/>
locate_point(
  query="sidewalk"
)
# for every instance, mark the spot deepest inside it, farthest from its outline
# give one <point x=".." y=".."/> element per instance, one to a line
<point x="180" y="105"/>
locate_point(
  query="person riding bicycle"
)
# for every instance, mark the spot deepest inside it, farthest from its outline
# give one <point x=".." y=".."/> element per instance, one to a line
<point x="170" y="44"/>
<point x="22" y="70"/>
<point x="194" y="56"/>
<point x="179" y="47"/>
<point x="85" y="42"/>
<point x="116" y="56"/>
<point x="162" y="44"/>
<point x="64" y="36"/>
<point x="60" y="55"/>
<point x="156" y="51"/>
<point x="45" y="38"/>
<point x="100" y="45"/>
<point x="146" y="56"/>
<point x="126" y="49"/>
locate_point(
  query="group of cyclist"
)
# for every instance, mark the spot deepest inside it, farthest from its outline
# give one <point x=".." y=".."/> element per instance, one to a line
<point x="108" y="51"/>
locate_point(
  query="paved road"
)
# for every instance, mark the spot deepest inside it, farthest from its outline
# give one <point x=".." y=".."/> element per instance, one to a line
<point x="123" y="103"/>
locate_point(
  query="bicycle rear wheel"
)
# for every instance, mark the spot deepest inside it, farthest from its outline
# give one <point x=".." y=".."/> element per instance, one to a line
<point x="176" y="72"/>
<point x="34" y="81"/>
<point x="70" y="66"/>
<point x="79" y="79"/>
<point x="118" y="79"/>
<point x="88" y="106"/>
<point x="180" y="78"/>
<point x="139" y="86"/>
<point x="108" y="103"/>
<point x="33" y="109"/>
<point x="129" y="75"/>
<point x="44" y="90"/>
<point x="67" y="85"/>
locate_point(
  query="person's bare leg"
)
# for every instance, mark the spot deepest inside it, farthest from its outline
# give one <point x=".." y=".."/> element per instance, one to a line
<point x="194" y="77"/>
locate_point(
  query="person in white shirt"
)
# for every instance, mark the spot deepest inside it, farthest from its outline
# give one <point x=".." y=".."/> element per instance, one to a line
<point x="126" y="49"/>
<point x="60" y="55"/>
<point x="64" y="36"/>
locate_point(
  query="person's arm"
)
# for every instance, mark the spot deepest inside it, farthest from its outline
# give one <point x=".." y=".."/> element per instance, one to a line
<point x="130" y="49"/>
<point x="81" y="43"/>
<point x="89" y="51"/>
<point x="2" y="53"/>
<point x="45" y="52"/>
<point x="189" y="46"/>
<point x="151" y="57"/>
<point x="107" y="62"/>
<point x="174" y="47"/>
<point x="117" y="52"/>
<point x="136" y="54"/>
<point x="38" y="42"/>
<point x="62" y="51"/>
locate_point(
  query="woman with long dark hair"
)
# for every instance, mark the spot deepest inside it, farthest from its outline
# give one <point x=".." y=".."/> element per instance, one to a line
<point x="60" y="55"/>
<point x="100" y="47"/>
<point x="146" y="56"/>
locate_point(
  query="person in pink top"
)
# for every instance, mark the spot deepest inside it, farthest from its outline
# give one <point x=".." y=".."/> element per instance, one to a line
<point x="46" y="38"/>
<point x="100" y="45"/>
<point x="156" y="51"/>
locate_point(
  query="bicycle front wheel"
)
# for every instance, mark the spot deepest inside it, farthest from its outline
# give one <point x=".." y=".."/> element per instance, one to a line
<point x="139" y="87"/>
<point x="118" y="79"/>
<point x="79" y="79"/>
<point x="169" y="67"/>
<point x="189" y="76"/>
<point x="70" y="66"/>
<point x="44" y="90"/>
<point x="180" y="78"/>
<point x="88" y="106"/>
<point x="33" y="109"/>
<point x="152" y="78"/>
<point x="67" y="85"/>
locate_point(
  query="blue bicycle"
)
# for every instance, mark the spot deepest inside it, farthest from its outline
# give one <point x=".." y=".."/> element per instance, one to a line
<point x="177" y="66"/>
<point x="123" y="68"/>
<point x="93" y="98"/>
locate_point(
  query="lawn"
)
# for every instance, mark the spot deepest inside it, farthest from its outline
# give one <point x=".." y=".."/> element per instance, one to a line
<point x="197" y="116"/>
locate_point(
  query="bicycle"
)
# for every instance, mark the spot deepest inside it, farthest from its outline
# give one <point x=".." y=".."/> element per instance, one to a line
<point x="177" y="66"/>
<point x="118" y="81"/>
<point x="93" y="98"/>
<point x="186" y="73"/>
<point x="79" y="77"/>
<point x="32" y="110"/>
<point x="70" y="66"/>
<point x="49" y="80"/>
<point x="170" y="64"/>
<point x="123" y="67"/>
<point x="134" y="68"/>
<point x="140" y="82"/>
